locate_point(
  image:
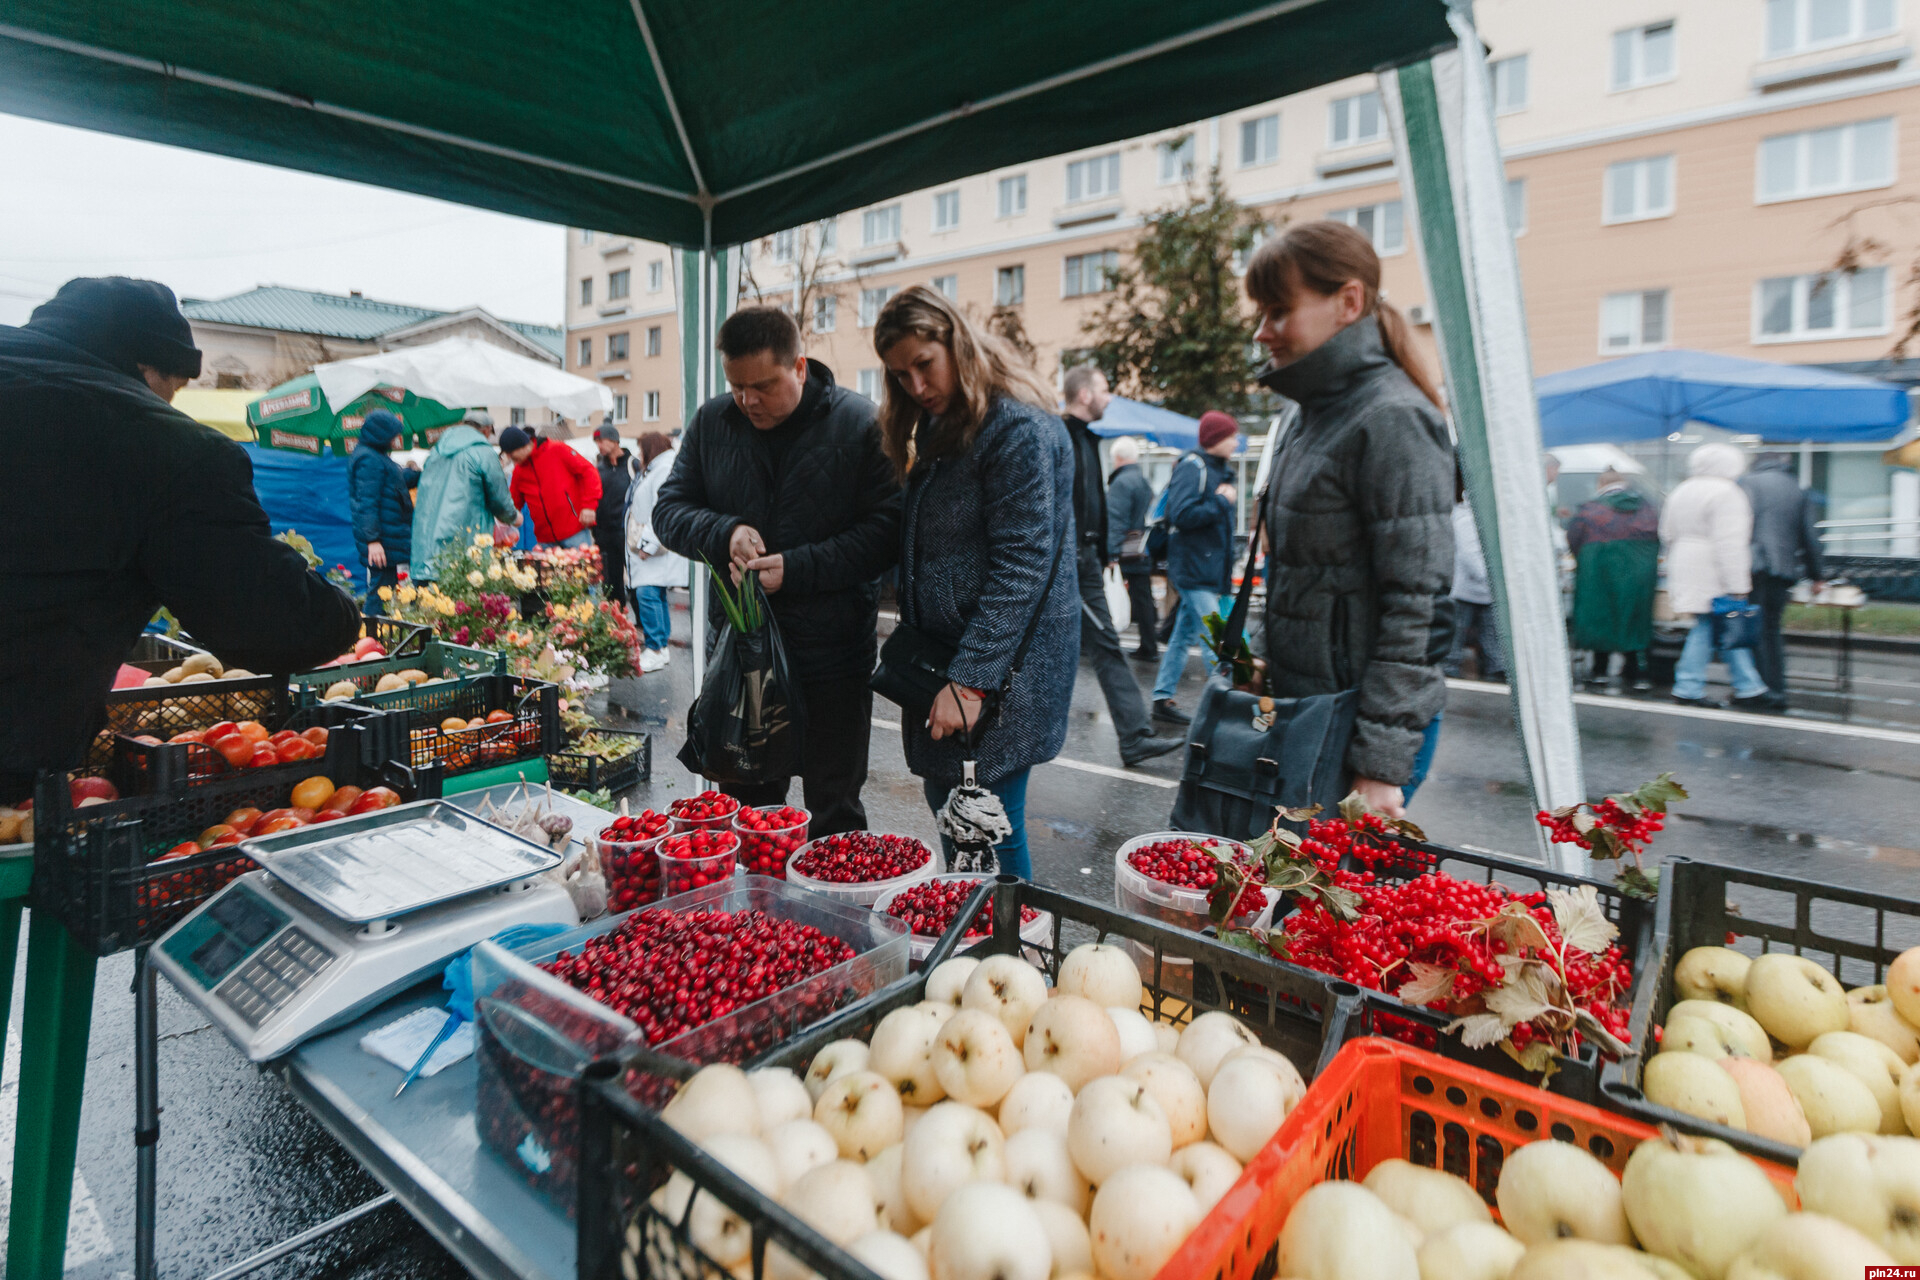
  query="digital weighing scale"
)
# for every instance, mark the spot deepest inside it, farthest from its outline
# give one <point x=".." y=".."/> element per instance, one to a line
<point x="347" y="913"/>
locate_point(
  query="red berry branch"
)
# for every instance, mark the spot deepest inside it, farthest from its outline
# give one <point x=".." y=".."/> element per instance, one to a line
<point x="1618" y="826"/>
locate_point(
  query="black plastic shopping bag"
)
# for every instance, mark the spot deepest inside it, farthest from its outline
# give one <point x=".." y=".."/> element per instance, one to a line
<point x="746" y="722"/>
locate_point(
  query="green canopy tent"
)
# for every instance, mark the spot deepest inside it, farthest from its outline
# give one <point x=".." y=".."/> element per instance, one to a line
<point x="296" y="416"/>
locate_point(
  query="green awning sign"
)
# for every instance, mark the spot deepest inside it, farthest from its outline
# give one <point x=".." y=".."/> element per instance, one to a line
<point x="295" y="416"/>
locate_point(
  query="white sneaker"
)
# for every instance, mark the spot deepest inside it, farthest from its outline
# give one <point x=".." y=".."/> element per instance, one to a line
<point x="653" y="660"/>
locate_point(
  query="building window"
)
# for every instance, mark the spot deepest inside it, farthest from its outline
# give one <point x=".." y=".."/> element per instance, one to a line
<point x="1509" y="83"/>
<point x="1384" y="224"/>
<point x="1241" y="257"/>
<point x="516" y="417"/>
<point x="829" y="234"/>
<point x="1090" y="273"/>
<point x="1818" y="162"/>
<point x="1259" y="141"/>
<point x="586" y="237"/>
<point x="1009" y="286"/>
<point x="871" y="300"/>
<point x="1643" y="55"/>
<point x="870" y="384"/>
<point x="586" y="352"/>
<point x="653" y="340"/>
<point x="783" y="246"/>
<point x="826" y="313"/>
<point x="616" y="347"/>
<point x="1794" y="26"/>
<point x="1093" y="178"/>
<point x="1013" y="195"/>
<point x="656" y="276"/>
<point x="946" y="210"/>
<point x="586" y="291"/>
<point x="650" y="407"/>
<point x="619" y="408"/>
<point x="880" y="226"/>
<point x="1352" y="121"/>
<point x="1633" y="321"/>
<point x="1638" y="189"/>
<point x="619" y="284"/>
<point x="1832" y="304"/>
<point x="947" y="287"/>
<point x="1516" y="205"/>
<point x="1176" y="160"/>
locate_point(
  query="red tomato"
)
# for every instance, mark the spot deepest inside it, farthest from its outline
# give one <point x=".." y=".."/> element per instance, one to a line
<point x="252" y="731"/>
<point x="342" y="800"/>
<point x="216" y="732"/>
<point x="212" y="834"/>
<point x="233" y="837"/>
<point x="191" y="735"/>
<point x="303" y="813"/>
<point x="499" y="717"/>
<point x="264" y="755"/>
<point x="237" y="750"/>
<point x="269" y="826"/>
<point x="317" y="736"/>
<point x="297" y="749"/>
<point x="185" y="849"/>
<point x="282" y="737"/>
<point x="242" y="820"/>
<point x="327" y="815"/>
<point x="376" y="798"/>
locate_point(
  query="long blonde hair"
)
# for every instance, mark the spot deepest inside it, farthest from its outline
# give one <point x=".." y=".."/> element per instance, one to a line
<point x="984" y="366"/>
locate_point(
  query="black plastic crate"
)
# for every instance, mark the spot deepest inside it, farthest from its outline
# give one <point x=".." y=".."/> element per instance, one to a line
<point x="94" y="868"/>
<point x="157" y="646"/>
<point x="627" y="1151"/>
<point x="161" y="711"/>
<point x="582" y="771"/>
<point x="353" y="734"/>
<point x="444" y="662"/>
<point x="1852" y="934"/>
<point x="400" y="639"/>
<point x="416" y="738"/>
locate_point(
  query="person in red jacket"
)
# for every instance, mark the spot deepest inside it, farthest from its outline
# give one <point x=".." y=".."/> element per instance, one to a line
<point x="556" y="484"/>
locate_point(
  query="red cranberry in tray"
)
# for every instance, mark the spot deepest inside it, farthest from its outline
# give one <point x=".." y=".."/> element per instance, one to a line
<point x="708" y="809"/>
<point x="1188" y="864"/>
<point x="929" y="908"/>
<point x="768" y="838"/>
<point x="861" y="857"/>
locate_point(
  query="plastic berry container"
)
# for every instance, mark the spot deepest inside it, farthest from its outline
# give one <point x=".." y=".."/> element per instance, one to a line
<point x="628" y="858"/>
<point x="863" y="893"/>
<point x="1037" y="930"/>
<point x="709" y="811"/>
<point x="765" y="850"/>
<point x="1139" y="894"/>
<point x="692" y="860"/>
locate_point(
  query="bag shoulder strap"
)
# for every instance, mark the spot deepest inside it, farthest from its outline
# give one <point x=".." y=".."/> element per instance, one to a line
<point x="1033" y="623"/>
<point x="1232" y="634"/>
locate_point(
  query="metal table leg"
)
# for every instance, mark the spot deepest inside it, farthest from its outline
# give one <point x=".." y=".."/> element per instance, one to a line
<point x="146" y="1103"/>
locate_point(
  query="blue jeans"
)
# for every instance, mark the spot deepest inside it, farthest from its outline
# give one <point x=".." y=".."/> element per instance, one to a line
<point x="1195" y="604"/>
<point x="1690" y="673"/>
<point x="376" y="579"/>
<point x="580" y="539"/>
<point x="1012" y="852"/>
<point x="1422" y="761"/>
<point x="655" y="619"/>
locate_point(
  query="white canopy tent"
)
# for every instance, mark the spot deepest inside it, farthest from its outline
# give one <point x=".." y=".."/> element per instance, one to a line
<point x="461" y="372"/>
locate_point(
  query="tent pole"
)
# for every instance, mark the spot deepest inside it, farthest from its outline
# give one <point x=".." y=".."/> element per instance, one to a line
<point x="1454" y="184"/>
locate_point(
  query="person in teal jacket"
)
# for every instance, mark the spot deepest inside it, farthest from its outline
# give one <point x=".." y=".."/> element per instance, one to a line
<point x="463" y="490"/>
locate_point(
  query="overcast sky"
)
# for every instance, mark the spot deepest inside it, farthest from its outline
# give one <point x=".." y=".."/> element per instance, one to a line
<point x="75" y="203"/>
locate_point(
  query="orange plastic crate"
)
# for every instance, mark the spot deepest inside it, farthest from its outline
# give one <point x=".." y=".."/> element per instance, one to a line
<point x="1379" y="1099"/>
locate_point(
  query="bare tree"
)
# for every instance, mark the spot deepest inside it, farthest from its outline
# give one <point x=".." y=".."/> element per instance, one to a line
<point x="809" y="265"/>
<point x="1862" y="248"/>
<point x="295" y="354"/>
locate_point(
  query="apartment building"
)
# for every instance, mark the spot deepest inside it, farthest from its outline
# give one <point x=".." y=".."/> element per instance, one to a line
<point x="1680" y="173"/>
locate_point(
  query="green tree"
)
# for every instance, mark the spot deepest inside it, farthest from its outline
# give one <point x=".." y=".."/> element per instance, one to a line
<point x="1176" y="327"/>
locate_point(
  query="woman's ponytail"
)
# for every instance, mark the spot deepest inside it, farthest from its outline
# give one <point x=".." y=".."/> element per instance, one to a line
<point x="1397" y="337"/>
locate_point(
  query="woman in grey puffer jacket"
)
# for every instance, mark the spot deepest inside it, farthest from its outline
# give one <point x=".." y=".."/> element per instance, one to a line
<point x="1360" y="512"/>
<point x="988" y="521"/>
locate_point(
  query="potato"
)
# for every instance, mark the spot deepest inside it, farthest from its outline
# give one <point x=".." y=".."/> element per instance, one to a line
<point x="413" y="675"/>
<point x="239" y="673"/>
<point x="153" y="680"/>
<point x="389" y="682"/>
<point x="10" y="820"/>
<point x="202" y="662"/>
<point x="174" y="675"/>
<point x="197" y="677"/>
<point x="338" y="691"/>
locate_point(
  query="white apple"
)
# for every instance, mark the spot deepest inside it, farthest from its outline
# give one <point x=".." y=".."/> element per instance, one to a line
<point x="1712" y="973"/>
<point x="716" y="1099"/>
<point x="1874" y="1065"/>
<point x="892" y="1256"/>
<point x="1770" y="1107"/>
<point x="1342" y="1231"/>
<point x="1795" y="999"/>
<point x="800" y="1145"/>
<point x="1247" y="1101"/>
<point x="902" y="1051"/>
<point x="837" y="1201"/>
<point x="1103" y="973"/>
<point x="1697" y="1201"/>
<point x="1903" y="984"/>
<point x="1431" y="1199"/>
<point x="781" y="1096"/>
<point x="837" y="1059"/>
<point x="1039" y="1168"/>
<point x="714" y="1228"/>
<point x="1807" y="1246"/>
<point x="1555" y="1190"/>
<point x="909" y="1117"/>
<point x="1067" y="1237"/>
<point x="1038" y="1100"/>
<point x="1586" y="1260"/>
<point x="953" y="1145"/>
<point x="1207" y="1041"/>
<point x="884" y="1172"/>
<point x="1870" y="1011"/>
<point x="1469" y="1251"/>
<point x="1695" y="1084"/>
<point x="1141" y="1216"/>
<point x="1745" y="1036"/>
<point x="1177" y="1090"/>
<point x="1008" y="988"/>
<point x="975" y="1059"/>
<point x="1208" y="1170"/>
<point x="1833" y="1098"/>
<point x="1072" y="1037"/>
<point x="1136" y="1033"/>
<point x="1872" y="1183"/>
<point x="946" y="982"/>
<point x="986" y="1231"/>
<point x="1114" y="1123"/>
<point x="862" y="1112"/>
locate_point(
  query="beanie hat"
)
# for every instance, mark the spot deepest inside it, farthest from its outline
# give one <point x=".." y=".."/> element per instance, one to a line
<point x="125" y="322"/>
<point x="380" y="429"/>
<point x="607" y="433"/>
<point x="478" y="418"/>
<point x="1216" y="426"/>
<point x="514" y="438"/>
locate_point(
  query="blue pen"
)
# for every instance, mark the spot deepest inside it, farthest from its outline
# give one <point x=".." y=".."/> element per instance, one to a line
<point x="447" y="1028"/>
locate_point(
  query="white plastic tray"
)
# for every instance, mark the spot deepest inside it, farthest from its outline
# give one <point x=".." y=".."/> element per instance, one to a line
<point x="867" y="893"/>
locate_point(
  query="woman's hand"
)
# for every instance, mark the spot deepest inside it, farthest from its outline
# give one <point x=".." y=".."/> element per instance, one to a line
<point x="1383" y="796"/>
<point x="954" y="713"/>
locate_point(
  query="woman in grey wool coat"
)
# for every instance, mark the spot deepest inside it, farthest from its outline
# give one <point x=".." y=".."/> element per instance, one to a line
<point x="988" y="519"/>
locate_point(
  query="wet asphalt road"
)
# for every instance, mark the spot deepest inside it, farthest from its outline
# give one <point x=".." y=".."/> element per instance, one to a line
<point x="242" y="1165"/>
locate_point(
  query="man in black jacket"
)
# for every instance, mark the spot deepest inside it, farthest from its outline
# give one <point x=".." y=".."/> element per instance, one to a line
<point x="1786" y="548"/>
<point x="1086" y="401"/>
<point x="121" y="504"/>
<point x="617" y="469"/>
<point x="786" y="476"/>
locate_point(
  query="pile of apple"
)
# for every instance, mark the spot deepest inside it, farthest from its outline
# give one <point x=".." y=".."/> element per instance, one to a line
<point x="1684" y="1209"/>
<point x="994" y="1131"/>
<point x="244" y="744"/>
<point x="16" y="819"/>
<point x="1776" y="1046"/>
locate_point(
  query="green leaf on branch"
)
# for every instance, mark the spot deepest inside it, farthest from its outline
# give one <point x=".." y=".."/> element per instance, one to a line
<point x="1638" y="883"/>
<point x="1654" y="796"/>
<point x="1539" y="1056"/>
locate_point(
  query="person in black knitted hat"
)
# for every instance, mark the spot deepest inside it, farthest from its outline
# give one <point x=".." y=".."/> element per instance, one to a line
<point x="133" y="325"/>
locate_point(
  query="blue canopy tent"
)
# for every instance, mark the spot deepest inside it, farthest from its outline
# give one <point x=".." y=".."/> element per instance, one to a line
<point x="309" y="496"/>
<point x="1648" y="397"/>
<point x="1126" y="417"/>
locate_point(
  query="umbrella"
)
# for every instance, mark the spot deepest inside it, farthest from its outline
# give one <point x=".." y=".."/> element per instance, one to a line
<point x="223" y="410"/>
<point x="1648" y="397"/>
<point x="298" y="415"/>
<point x="466" y="371"/>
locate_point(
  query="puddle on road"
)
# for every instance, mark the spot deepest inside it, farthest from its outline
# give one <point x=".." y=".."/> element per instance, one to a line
<point x="1880" y="854"/>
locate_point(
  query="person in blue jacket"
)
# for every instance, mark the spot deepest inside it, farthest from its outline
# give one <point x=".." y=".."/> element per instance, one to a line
<point x="379" y="491"/>
<point x="1200" y="517"/>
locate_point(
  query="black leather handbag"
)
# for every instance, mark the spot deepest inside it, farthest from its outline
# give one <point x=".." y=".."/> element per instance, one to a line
<point x="1248" y="755"/>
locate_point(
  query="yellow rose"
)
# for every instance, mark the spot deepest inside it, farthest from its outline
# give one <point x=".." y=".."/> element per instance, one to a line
<point x="483" y="540"/>
<point x="476" y="577"/>
<point x="494" y="571"/>
<point x="386" y="593"/>
<point x="406" y="594"/>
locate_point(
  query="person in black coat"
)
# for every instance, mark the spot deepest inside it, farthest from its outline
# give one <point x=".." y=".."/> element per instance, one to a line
<point x="1786" y="548"/>
<point x="380" y="497"/>
<point x="617" y="471"/>
<point x="1129" y="503"/>
<point x="133" y="506"/>
<point x="786" y="476"/>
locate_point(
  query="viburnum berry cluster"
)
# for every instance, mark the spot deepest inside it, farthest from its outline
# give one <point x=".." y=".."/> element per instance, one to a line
<point x="628" y="856"/>
<point x="861" y="857"/>
<point x="708" y="809"/>
<point x="768" y="838"/>
<point x="930" y="907"/>
<point x="1618" y="826"/>
<point x="1194" y="864"/>
<point x="672" y="971"/>
<point x="695" y="859"/>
